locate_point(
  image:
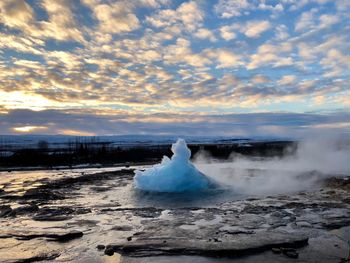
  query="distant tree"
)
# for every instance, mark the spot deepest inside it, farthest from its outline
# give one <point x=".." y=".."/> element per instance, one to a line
<point x="43" y="145"/>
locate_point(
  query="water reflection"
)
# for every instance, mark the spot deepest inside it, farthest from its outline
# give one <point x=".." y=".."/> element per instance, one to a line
<point x="185" y="199"/>
<point x="116" y="258"/>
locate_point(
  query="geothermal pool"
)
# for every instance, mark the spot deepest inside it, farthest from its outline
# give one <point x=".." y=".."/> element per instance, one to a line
<point x="258" y="210"/>
<point x="62" y="216"/>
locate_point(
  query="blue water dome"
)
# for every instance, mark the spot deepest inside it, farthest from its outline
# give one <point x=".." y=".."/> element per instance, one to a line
<point x="177" y="174"/>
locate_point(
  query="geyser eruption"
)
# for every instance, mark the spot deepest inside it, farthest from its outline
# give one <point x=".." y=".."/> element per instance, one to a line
<point x="177" y="174"/>
<point x="316" y="158"/>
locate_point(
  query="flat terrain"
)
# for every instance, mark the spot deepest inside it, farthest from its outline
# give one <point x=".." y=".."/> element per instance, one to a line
<point x="89" y="153"/>
<point x="95" y="215"/>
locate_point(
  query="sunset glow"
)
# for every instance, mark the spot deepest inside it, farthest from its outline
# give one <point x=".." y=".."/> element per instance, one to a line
<point x="26" y="129"/>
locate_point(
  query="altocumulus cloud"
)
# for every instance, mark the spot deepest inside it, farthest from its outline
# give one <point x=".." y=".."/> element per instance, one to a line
<point x="160" y="66"/>
<point x="245" y="124"/>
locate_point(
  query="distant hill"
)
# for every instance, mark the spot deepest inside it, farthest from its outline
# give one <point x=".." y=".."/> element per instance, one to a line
<point x="62" y="141"/>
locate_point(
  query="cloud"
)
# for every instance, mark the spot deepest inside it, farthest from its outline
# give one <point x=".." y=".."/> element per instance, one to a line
<point x="298" y="4"/>
<point x="56" y="58"/>
<point x="254" y="29"/>
<point x="61" y="24"/>
<point x="225" y="58"/>
<point x="277" y="8"/>
<point x="168" y="56"/>
<point x="70" y="132"/>
<point x="287" y="80"/>
<point x="336" y="61"/>
<point x="260" y="79"/>
<point x="227" y="32"/>
<point x="188" y="16"/>
<point x="264" y="56"/>
<point x="229" y="81"/>
<point x="186" y="123"/>
<point x="312" y="20"/>
<point x="181" y="52"/>
<point x="268" y="54"/>
<point x="236" y="8"/>
<point x="305" y="21"/>
<point x="149" y="55"/>
<point x="342" y="5"/>
<point x="204" y="33"/>
<point x="282" y="32"/>
<point x="21" y="44"/>
<point x="29" y="129"/>
<point x="21" y="99"/>
<point x="16" y="13"/>
<point x="116" y="18"/>
<point x="327" y="20"/>
<point x="231" y="8"/>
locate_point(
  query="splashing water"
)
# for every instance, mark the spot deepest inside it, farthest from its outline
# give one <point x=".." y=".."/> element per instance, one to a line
<point x="177" y="174"/>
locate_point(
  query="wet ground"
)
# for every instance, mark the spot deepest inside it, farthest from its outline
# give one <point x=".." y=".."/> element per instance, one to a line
<point x="95" y="215"/>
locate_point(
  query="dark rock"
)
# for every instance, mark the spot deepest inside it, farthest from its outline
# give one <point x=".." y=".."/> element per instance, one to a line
<point x="26" y="209"/>
<point x="291" y="254"/>
<point x="90" y="178"/>
<point x="101" y="247"/>
<point x="109" y="251"/>
<point x="41" y="257"/>
<point x="276" y="250"/>
<point x="252" y="209"/>
<point x="239" y="231"/>
<point x="138" y="233"/>
<point x="100" y="188"/>
<point x="287" y="249"/>
<point x="122" y="228"/>
<point x="346" y="200"/>
<point x="58" y="213"/>
<point x="146" y="212"/>
<point x="59" y="237"/>
<point x="149" y="212"/>
<point x="5" y="211"/>
<point x="52" y="218"/>
<point x="54" y="214"/>
<point x="244" y="246"/>
<point x="336" y="223"/>
<point x="338" y="182"/>
<point x="43" y="194"/>
<point x="66" y="237"/>
<point x="129" y="238"/>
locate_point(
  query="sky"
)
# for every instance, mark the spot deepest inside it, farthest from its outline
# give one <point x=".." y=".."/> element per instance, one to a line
<point x="219" y="67"/>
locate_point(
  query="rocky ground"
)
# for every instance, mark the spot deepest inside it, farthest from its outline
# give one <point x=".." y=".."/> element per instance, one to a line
<point x="97" y="216"/>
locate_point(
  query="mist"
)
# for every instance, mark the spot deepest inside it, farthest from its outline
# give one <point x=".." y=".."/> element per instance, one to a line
<point x="316" y="157"/>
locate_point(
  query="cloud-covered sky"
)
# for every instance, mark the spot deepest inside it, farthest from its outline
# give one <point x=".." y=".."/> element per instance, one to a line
<point x="225" y="67"/>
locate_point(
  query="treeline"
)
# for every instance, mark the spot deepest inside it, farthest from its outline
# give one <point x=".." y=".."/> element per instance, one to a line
<point x="107" y="154"/>
<point x="83" y="154"/>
